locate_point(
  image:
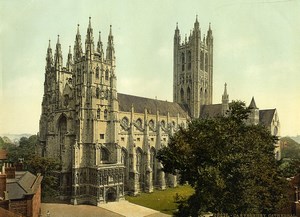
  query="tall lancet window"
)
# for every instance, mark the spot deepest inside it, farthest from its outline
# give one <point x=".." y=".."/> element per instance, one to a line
<point x="105" y="114"/>
<point x="98" y="113"/>
<point x="182" y="61"/>
<point x="106" y="74"/>
<point x="188" y="94"/>
<point x="202" y="60"/>
<point x="206" y="62"/>
<point x="181" y="95"/>
<point x="97" y="72"/>
<point x="189" y="60"/>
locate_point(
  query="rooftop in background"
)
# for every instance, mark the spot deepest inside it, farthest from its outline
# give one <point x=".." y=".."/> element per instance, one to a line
<point x="24" y="183"/>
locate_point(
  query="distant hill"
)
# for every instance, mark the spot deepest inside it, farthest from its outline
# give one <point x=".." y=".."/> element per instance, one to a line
<point x="290" y="149"/>
<point x="14" y="138"/>
<point x="296" y="138"/>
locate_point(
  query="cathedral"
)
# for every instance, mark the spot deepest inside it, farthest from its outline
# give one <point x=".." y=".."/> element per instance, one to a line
<point x="107" y="141"/>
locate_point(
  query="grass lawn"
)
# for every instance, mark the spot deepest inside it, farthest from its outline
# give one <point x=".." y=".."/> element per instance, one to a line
<point x="161" y="200"/>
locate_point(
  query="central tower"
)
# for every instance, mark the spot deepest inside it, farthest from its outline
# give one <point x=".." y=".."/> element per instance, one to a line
<point x="193" y="69"/>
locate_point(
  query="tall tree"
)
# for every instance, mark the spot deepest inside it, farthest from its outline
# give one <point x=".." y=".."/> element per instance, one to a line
<point x="229" y="163"/>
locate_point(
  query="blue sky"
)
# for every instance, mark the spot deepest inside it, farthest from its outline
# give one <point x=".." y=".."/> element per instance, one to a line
<point x="256" y="50"/>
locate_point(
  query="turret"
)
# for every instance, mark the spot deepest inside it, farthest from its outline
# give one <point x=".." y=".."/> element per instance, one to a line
<point x="177" y="36"/>
<point x="70" y="61"/>
<point x="89" y="41"/>
<point x="110" y="50"/>
<point x="225" y="101"/>
<point x="100" y="46"/>
<point x="58" y="55"/>
<point x="196" y="30"/>
<point x="254" y="112"/>
<point x="209" y="39"/>
<point x="77" y="46"/>
<point x="49" y="57"/>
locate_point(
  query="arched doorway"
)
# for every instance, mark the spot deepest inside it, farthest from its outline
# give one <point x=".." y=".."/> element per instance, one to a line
<point x="111" y="195"/>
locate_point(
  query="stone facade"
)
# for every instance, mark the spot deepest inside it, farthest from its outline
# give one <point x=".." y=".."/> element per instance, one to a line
<point x="107" y="141"/>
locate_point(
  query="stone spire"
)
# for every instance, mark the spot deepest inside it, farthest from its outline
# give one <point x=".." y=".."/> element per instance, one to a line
<point x="70" y="61"/>
<point x="254" y="113"/>
<point x="100" y="46"/>
<point x="58" y="55"/>
<point x="177" y="35"/>
<point x="49" y="57"/>
<point x="196" y="30"/>
<point x="77" y="46"/>
<point x="89" y="41"/>
<point x="209" y="39"/>
<point x="225" y="100"/>
<point x="196" y="24"/>
<point x="110" y="50"/>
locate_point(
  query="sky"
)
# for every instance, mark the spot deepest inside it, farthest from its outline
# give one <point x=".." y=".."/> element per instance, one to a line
<point x="256" y="50"/>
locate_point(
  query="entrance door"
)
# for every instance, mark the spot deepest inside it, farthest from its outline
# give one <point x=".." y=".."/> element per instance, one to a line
<point x="111" y="195"/>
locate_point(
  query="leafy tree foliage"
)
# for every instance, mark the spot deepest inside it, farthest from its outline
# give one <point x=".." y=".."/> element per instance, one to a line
<point x="36" y="164"/>
<point x="229" y="163"/>
<point x="291" y="148"/>
<point x="289" y="165"/>
<point x="5" y="143"/>
<point x="47" y="167"/>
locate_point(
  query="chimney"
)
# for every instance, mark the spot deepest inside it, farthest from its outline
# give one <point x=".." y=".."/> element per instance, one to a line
<point x="2" y="186"/>
<point x="10" y="172"/>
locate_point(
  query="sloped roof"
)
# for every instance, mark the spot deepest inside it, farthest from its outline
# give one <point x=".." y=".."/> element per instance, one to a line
<point x="266" y="116"/>
<point x="152" y="105"/>
<point x="211" y="111"/>
<point x="25" y="183"/>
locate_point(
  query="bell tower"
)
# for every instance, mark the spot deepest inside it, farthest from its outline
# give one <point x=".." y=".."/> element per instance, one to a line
<point x="193" y="69"/>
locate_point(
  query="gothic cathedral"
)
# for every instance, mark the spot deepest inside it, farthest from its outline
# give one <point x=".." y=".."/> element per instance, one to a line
<point x="107" y="141"/>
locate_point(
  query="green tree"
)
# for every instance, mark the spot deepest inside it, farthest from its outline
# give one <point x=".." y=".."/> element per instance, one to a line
<point x="229" y="163"/>
<point x="291" y="148"/>
<point x="47" y="167"/>
<point x="36" y="164"/>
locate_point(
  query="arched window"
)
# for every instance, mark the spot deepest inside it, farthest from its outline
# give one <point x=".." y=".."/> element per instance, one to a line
<point x="97" y="72"/>
<point x="202" y="60"/>
<point x="173" y="124"/>
<point x="97" y="92"/>
<point x="105" y="114"/>
<point x="139" y="122"/>
<point x="188" y="93"/>
<point x="189" y="60"/>
<point x="205" y="96"/>
<point x="275" y="131"/>
<point x="124" y="157"/>
<point x="206" y="62"/>
<point x="125" y="122"/>
<point x="98" y="113"/>
<point x="151" y="124"/>
<point x="163" y="124"/>
<point x="181" y="95"/>
<point x="106" y="74"/>
<point x="182" y="61"/>
<point x="139" y="159"/>
<point x="62" y="130"/>
<point x="104" y="154"/>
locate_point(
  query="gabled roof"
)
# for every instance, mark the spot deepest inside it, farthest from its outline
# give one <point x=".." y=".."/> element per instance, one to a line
<point x="211" y="111"/>
<point x="266" y="116"/>
<point x="152" y="105"/>
<point x="25" y="183"/>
